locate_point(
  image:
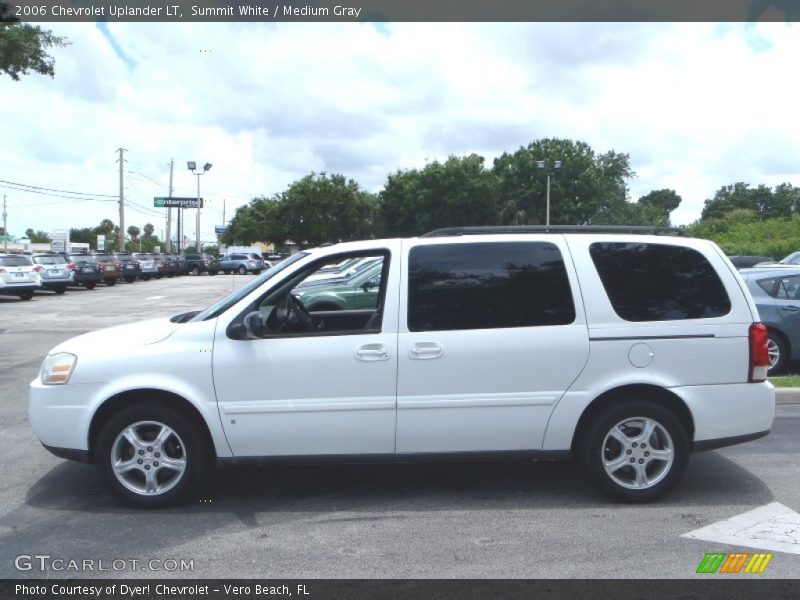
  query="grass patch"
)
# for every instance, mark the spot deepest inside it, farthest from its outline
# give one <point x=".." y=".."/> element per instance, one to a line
<point x="786" y="381"/>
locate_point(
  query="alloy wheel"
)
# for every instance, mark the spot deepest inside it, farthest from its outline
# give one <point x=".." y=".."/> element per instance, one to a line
<point x="148" y="458"/>
<point x="638" y="453"/>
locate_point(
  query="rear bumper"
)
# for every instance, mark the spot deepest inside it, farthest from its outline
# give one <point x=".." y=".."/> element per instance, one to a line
<point x="13" y="290"/>
<point x="728" y="414"/>
<point x="705" y="445"/>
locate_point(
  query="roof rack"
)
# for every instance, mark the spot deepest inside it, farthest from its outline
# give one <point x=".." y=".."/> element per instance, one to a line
<point x="637" y="229"/>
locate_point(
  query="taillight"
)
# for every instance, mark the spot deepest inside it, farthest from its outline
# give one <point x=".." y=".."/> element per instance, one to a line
<point x="3" y="271"/>
<point x="759" y="353"/>
<point x="205" y="261"/>
<point x="71" y="266"/>
<point x="38" y="268"/>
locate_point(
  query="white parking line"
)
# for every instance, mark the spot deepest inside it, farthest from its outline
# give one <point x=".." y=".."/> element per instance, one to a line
<point x="769" y="527"/>
<point x="155" y="297"/>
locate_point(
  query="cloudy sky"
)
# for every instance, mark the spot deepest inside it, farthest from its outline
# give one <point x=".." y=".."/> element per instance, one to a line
<point x="696" y="106"/>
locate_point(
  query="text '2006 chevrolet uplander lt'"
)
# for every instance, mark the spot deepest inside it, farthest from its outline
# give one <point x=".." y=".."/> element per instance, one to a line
<point x="626" y="351"/>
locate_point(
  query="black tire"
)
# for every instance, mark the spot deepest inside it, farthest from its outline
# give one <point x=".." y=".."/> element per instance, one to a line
<point x="213" y="272"/>
<point x="595" y="448"/>
<point x="195" y="270"/>
<point x="242" y="270"/>
<point x="189" y="443"/>
<point x="60" y="289"/>
<point x="777" y="348"/>
<point x="158" y="276"/>
<point x="226" y="271"/>
<point x="111" y="282"/>
<point x="90" y="285"/>
<point x="26" y="295"/>
<point x="130" y="278"/>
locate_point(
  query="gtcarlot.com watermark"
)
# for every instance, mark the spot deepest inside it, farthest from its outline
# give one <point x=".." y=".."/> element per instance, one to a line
<point x="48" y="563"/>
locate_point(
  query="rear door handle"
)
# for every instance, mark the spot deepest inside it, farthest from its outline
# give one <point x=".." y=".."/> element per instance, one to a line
<point x="372" y="352"/>
<point x="790" y="308"/>
<point x="425" y="350"/>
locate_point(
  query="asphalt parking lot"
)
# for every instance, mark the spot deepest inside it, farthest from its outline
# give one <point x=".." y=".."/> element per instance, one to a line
<point x="479" y="520"/>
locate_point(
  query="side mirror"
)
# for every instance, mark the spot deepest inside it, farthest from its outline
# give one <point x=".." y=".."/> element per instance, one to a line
<point x="254" y="325"/>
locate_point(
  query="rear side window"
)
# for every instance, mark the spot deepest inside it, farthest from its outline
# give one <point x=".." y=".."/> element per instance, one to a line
<point x="488" y="286"/>
<point x="659" y="282"/>
<point x="15" y="261"/>
<point x="783" y="288"/>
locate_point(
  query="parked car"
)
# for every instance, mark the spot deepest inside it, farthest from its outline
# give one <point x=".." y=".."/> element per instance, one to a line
<point x="358" y="292"/>
<point x="85" y="270"/>
<point x="53" y="271"/>
<point x="341" y="274"/>
<point x="18" y="277"/>
<point x="162" y="264"/>
<point x="242" y="264"/>
<point x="776" y="292"/>
<point x="745" y="262"/>
<point x="626" y="351"/>
<point x="174" y="264"/>
<point x="109" y="266"/>
<point x="147" y="265"/>
<point x="130" y="266"/>
<point x="792" y="260"/>
<point x="201" y="263"/>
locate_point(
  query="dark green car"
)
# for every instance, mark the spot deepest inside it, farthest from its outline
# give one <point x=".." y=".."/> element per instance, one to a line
<point x="360" y="292"/>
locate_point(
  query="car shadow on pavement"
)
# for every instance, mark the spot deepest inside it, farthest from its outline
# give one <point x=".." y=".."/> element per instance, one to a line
<point x="479" y="485"/>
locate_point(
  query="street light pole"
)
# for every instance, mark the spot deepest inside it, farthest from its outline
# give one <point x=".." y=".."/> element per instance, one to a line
<point x="192" y="167"/>
<point x="541" y="164"/>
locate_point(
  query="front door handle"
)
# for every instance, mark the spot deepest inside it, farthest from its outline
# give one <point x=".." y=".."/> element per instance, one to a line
<point x="371" y="352"/>
<point x="790" y="308"/>
<point x="425" y="350"/>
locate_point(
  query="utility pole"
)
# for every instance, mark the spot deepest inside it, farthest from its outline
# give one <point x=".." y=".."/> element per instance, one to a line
<point x="169" y="210"/>
<point x="121" y="241"/>
<point x="5" y="222"/>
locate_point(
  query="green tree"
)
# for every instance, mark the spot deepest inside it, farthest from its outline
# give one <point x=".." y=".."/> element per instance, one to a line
<point x="765" y="202"/>
<point x="326" y="208"/>
<point x="258" y="221"/>
<point x="134" y="232"/>
<point x="24" y="47"/>
<point x="587" y="188"/>
<point x="457" y="192"/>
<point x="37" y="237"/>
<point x="665" y="200"/>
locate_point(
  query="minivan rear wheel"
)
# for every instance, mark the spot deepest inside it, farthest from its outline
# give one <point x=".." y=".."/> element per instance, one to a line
<point x="151" y="456"/>
<point x="636" y="451"/>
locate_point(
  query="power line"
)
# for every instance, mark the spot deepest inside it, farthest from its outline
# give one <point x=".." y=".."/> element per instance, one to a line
<point x="38" y="187"/>
<point x="73" y="198"/>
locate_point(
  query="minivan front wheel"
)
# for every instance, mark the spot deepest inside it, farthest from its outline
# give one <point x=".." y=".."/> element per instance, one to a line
<point x="636" y="451"/>
<point x="151" y="456"/>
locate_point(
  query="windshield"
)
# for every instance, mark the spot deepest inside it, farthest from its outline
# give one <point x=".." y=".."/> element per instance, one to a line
<point x="225" y="303"/>
<point x="792" y="259"/>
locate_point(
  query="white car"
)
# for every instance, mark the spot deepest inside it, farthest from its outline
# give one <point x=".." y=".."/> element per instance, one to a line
<point x="626" y="351"/>
<point x="18" y="276"/>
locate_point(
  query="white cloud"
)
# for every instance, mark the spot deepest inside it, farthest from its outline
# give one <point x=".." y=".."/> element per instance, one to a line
<point x="697" y="106"/>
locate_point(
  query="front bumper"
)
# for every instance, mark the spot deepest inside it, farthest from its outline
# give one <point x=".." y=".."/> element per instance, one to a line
<point x="60" y="415"/>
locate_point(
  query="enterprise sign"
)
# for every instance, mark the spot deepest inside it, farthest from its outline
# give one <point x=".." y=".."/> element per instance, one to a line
<point x="159" y="202"/>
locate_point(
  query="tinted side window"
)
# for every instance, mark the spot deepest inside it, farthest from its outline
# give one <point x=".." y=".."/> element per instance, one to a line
<point x="659" y="282"/>
<point x="487" y="286"/>
<point x="783" y="288"/>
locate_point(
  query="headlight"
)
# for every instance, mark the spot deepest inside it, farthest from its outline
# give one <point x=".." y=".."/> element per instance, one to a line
<point x="57" y="368"/>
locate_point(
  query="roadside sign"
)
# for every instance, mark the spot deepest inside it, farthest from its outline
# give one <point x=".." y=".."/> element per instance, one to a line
<point x="6" y="238"/>
<point x="161" y="202"/>
<point x="220" y="229"/>
<point x="101" y="242"/>
<point x="57" y="246"/>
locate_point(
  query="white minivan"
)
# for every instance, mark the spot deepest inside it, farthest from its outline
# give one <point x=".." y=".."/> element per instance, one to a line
<point x="622" y="348"/>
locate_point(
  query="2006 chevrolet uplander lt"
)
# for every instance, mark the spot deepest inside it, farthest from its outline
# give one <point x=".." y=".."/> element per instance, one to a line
<point x="626" y="350"/>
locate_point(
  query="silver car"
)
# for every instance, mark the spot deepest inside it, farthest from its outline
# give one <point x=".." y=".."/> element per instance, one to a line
<point x="17" y="277"/>
<point x="53" y="271"/>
